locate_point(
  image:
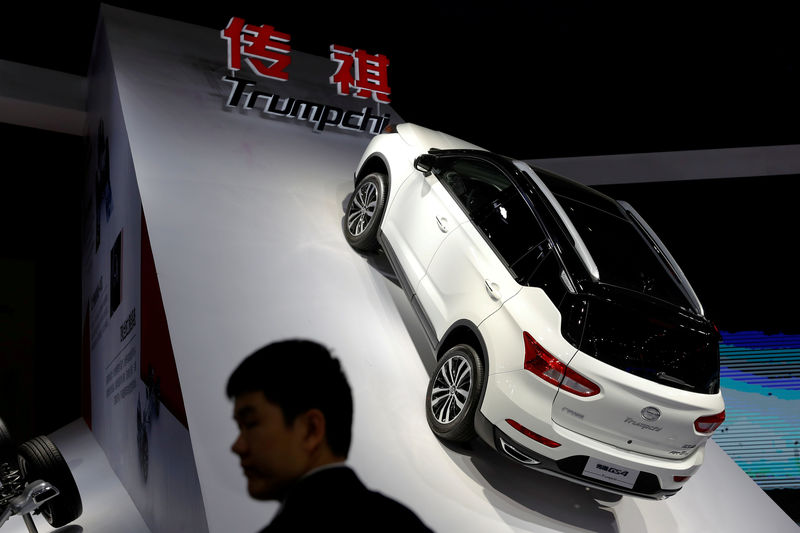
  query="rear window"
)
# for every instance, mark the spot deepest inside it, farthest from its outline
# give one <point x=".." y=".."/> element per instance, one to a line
<point x="668" y="348"/>
<point x="622" y="255"/>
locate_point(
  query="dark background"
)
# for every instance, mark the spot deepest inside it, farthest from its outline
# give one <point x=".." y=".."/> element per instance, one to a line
<point x="527" y="79"/>
<point x="733" y="240"/>
<point x="40" y="280"/>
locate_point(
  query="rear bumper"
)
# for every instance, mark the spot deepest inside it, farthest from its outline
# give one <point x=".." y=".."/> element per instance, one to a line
<point x="507" y="397"/>
<point x="571" y="468"/>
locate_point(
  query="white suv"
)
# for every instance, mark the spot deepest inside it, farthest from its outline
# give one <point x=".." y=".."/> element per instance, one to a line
<point x="567" y="336"/>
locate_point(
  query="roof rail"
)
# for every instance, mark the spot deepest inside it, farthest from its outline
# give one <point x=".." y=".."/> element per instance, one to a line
<point x="580" y="246"/>
<point x="668" y="256"/>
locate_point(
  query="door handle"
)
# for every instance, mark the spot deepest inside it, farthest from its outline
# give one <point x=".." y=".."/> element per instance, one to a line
<point x="493" y="289"/>
<point x="442" y="223"/>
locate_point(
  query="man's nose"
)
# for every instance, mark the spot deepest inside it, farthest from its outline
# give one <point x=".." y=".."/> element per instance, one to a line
<point x="238" y="447"/>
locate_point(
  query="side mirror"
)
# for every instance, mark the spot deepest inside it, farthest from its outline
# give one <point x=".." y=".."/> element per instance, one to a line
<point x="425" y="164"/>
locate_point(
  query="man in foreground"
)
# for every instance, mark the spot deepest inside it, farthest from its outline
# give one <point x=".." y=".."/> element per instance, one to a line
<point x="294" y="410"/>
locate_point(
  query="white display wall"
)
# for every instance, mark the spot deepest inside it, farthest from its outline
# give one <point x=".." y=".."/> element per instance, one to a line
<point x="147" y="447"/>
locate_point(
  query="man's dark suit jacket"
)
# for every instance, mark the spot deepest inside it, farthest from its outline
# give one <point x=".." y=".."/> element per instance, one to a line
<point x="334" y="499"/>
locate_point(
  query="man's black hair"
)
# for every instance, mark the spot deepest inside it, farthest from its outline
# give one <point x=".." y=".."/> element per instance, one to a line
<point x="298" y="375"/>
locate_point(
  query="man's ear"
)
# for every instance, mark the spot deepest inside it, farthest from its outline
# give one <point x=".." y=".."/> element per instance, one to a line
<point x="314" y="429"/>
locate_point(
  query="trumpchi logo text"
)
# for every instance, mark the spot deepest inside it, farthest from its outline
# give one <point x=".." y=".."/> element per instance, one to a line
<point x="651" y="413"/>
<point x="629" y="420"/>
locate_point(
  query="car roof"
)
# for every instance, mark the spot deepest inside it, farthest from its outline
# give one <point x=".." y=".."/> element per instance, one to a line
<point x="676" y="291"/>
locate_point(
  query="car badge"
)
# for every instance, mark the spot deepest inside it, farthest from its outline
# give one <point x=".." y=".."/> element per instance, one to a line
<point x="651" y="413"/>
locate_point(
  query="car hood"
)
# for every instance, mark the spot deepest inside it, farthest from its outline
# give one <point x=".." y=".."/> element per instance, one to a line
<point x="426" y="139"/>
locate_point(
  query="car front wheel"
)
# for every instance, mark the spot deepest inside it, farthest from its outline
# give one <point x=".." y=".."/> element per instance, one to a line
<point x="453" y="394"/>
<point x="39" y="458"/>
<point x="364" y="212"/>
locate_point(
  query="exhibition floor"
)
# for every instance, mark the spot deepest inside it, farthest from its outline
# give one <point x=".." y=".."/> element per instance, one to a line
<point x="505" y="497"/>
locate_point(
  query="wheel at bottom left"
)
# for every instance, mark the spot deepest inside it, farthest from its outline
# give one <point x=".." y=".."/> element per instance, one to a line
<point x="454" y="393"/>
<point x="39" y="458"/>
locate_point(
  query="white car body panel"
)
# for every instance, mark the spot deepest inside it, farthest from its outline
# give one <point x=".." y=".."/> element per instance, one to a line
<point x="614" y="415"/>
<point x="411" y="141"/>
<point x="511" y="395"/>
<point x="426" y="139"/>
<point x="464" y="281"/>
<point x="532" y="311"/>
<point x="427" y="216"/>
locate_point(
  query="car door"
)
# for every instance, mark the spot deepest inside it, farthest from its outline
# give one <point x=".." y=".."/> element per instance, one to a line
<point x="419" y="219"/>
<point x="471" y="273"/>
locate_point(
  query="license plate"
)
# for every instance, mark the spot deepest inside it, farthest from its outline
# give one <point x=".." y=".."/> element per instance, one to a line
<point x="611" y="473"/>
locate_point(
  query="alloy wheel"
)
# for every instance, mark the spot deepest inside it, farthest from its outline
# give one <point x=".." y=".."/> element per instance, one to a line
<point x="451" y="389"/>
<point x="362" y="209"/>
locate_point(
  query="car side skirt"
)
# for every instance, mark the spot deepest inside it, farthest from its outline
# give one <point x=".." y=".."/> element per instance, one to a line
<point x="483" y="426"/>
<point x="430" y="333"/>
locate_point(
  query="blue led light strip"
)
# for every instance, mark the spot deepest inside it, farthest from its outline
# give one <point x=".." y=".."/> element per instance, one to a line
<point x="760" y="379"/>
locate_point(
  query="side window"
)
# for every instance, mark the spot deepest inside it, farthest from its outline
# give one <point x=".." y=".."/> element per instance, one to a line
<point x="544" y="271"/>
<point x="498" y="210"/>
<point x="474" y="183"/>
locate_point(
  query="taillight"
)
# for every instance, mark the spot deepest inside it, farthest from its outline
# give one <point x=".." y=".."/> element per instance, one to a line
<point x="535" y="436"/>
<point x="708" y="424"/>
<point x="680" y="479"/>
<point x="550" y="369"/>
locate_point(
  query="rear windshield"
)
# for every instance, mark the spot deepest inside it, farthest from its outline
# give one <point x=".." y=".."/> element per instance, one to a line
<point x="653" y="343"/>
<point x="622" y="255"/>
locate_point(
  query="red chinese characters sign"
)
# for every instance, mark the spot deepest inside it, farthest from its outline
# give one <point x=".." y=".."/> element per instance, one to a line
<point x="266" y="51"/>
<point x="367" y="74"/>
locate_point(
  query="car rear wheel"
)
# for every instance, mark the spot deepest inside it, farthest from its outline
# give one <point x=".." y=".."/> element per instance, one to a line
<point x="454" y="393"/>
<point x="39" y="458"/>
<point x="364" y="212"/>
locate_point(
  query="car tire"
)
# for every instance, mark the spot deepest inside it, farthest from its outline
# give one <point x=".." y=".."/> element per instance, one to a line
<point x="453" y="394"/>
<point x="39" y="458"/>
<point x="365" y="211"/>
<point x="7" y="450"/>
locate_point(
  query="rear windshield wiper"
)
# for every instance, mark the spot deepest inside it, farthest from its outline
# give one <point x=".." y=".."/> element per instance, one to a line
<point x="666" y="377"/>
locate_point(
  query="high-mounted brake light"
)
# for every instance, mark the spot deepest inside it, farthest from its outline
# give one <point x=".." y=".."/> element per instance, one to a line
<point x="550" y="369"/>
<point x="709" y="424"/>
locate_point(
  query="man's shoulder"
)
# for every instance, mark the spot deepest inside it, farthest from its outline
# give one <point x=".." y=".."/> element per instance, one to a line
<point x="341" y="477"/>
<point x="336" y="496"/>
<point x="379" y="507"/>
